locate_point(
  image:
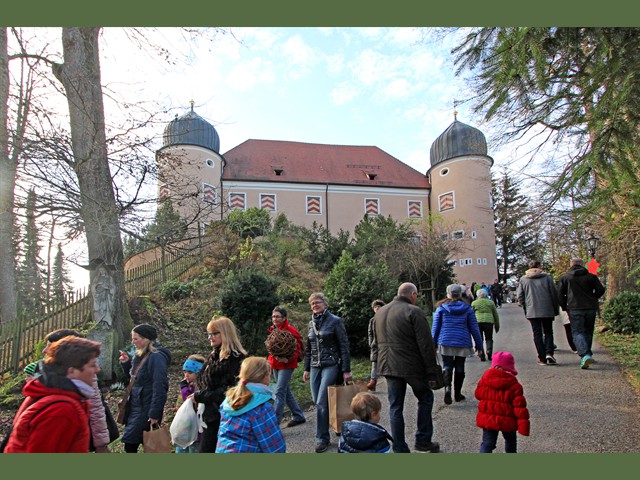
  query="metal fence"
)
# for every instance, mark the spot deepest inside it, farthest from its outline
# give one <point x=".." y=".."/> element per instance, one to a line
<point x="19" y="340"/>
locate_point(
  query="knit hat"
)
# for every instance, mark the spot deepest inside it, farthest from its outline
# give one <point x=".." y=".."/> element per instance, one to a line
<point x="454" y="291"/>
<point x="505" y="361"/>
<point x="147" y="331"/>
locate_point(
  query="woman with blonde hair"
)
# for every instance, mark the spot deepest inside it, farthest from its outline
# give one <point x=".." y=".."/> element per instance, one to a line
<point x="219" y="372"/>
<point x="249" y="423"/>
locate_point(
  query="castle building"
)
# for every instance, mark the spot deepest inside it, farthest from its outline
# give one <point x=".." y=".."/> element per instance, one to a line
<point x="335" y="185"/>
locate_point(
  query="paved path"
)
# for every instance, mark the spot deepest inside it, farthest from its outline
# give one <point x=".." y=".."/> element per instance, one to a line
<point x="572" y="410"/>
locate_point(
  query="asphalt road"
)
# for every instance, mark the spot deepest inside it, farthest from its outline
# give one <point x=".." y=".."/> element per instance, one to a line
<point x="572" y="410"/>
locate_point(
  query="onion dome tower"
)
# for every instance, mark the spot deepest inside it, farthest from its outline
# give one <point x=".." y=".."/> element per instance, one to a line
<point x="190" y="165"/>
<point x="460" y="180"/>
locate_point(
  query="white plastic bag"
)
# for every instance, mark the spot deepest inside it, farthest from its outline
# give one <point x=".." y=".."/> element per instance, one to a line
<point x="184" y="428"/>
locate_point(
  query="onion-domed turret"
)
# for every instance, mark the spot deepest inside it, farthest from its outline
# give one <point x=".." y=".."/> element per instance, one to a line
<point x="191" y="129"/>
<point x="457" y="140"/>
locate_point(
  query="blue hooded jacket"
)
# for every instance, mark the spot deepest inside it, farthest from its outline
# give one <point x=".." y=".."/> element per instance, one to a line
<point x="454" y="323"/>
<point x="261" y="394"/>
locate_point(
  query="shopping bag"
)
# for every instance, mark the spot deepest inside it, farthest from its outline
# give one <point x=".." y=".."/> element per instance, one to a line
<point x="340" y="397"/>
<point x="122" y="409"/>
<point x="184" y="427"/>
<point x="157" y="440"/>
<point x="436" y="379"/>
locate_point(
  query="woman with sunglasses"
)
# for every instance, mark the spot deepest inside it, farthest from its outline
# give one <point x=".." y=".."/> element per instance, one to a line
<point x="218" y="374"/>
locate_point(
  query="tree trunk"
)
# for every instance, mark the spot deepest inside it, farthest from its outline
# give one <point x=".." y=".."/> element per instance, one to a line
<point x="80" y="77"/>
<point x="8" y="307"/>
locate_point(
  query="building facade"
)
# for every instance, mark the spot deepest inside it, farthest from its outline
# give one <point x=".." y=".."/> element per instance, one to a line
<point x="335" y="185"/>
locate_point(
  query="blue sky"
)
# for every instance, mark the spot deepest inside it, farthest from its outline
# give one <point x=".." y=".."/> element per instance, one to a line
<point x="351" y="86"/>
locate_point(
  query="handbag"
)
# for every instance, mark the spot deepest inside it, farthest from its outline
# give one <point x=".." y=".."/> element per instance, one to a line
<point x="436" y="380"/>
<point x="184" y="427"/>
<point x="122" y="404"/>
<point x="156" y="440"/>
<point x="340" y="397"/>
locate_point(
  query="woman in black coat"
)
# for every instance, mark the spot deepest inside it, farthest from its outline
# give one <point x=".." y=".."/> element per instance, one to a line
<point x="149" y="392"/>
<point x="218" y="374"/>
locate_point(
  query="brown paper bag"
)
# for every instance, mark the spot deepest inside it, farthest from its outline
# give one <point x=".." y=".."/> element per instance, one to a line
<point x="340" y="397"/>
<point x="157" y="440"/>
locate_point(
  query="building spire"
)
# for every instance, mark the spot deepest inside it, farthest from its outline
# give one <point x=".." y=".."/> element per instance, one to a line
<point x="192" y="104"/>
<point x="455" y="112"/>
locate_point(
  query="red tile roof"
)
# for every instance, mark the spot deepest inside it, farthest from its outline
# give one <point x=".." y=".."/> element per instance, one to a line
<point x="259" y="160"/>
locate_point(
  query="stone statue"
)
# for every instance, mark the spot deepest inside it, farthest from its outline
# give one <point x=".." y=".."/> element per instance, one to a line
<point x="103" y="289"/>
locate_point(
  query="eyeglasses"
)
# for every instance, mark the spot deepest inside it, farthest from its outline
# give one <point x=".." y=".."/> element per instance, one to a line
<point x="276" y="316"/>
<point x="212" y="334"/>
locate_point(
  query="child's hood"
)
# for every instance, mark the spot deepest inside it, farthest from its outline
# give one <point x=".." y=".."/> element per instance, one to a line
<point x="499" y="379"/>
<point x="261" y="394"/>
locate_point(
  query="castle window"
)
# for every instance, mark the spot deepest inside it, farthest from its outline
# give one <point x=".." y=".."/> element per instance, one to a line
<point x="446" y="201"/>
<point x="484" y="261"/>
<point x="165" y="191"/>
<point x="478" y="261"/>
<point x="314" y="205"/>
<point x="457" y="235"/>
<point x="278" y="169"/>
<point x="210" y="163"/>
<point x="415" y="208"/>
<point x="268" y="201"/>
<point x="444" y="171"/>
<point x="237" y="201"/>
<point x="474" y="234"/>
<point x="372" y="206"/>
<point x="209" y="194"/>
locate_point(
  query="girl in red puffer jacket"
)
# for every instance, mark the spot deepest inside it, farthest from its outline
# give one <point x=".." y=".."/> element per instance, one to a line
<point x="502" y="406"/>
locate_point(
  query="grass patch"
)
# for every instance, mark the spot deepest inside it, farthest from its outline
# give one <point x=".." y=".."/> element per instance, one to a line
<point x="625" y="349"/>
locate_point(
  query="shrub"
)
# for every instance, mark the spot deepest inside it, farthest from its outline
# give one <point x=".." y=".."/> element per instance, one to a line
<point x="248" y="298"/>
<point x="176" y="290"/>
<point x="622" y="313"/>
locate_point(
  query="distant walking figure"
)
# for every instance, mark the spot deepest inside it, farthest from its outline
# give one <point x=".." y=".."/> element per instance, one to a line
<point x="538" y="296"/>
<point x="579" y="294"/>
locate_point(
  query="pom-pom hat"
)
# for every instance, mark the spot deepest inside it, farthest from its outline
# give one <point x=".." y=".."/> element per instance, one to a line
<point x="505" y="361"/>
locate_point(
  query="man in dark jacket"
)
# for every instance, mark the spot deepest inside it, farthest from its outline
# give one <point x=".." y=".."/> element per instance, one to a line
<point x="538" y="296"/>
<point x="406" y="355"/>
<point x="579" y="294"/>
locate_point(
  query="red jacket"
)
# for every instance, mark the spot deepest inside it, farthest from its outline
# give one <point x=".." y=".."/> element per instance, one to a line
<point x="50" y="420"/>
<point x="293" y="361"/>
<point x="502" y="404"/>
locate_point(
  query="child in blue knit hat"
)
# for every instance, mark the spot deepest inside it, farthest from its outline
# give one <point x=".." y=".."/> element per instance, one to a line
<point x="192" y="365"/>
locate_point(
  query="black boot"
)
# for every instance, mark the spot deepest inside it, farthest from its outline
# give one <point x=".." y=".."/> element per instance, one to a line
<point x="447" y="386"/>
<point x="458" y="380"/>
<point x="489" y="349"/>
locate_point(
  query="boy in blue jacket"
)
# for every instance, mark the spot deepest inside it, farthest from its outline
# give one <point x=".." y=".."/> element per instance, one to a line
<point x="364" y="435"/>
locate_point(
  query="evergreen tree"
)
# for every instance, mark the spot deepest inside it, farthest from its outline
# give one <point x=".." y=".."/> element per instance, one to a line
<point x="60" y="282"/>
<point x="167" y="226"/>
<point x="515" y="231"/>
<point x="30" y="280"/>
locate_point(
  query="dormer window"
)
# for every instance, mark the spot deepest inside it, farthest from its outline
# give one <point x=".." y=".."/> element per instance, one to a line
<point x="278" y="170"/>
<point x="371" y="176"/>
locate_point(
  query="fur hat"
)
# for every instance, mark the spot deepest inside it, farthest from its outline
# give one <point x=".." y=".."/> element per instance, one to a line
<point x="505" y="361"/>
<point x="147" y="331"/>
<point x="454" y="291"/>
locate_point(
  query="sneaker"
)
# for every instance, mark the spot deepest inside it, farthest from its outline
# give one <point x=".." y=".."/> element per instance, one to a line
<point x="585" y="362"/>
<point x="551" y="360"/>
<point x="295" y="421"/>
<point x="540" y="362"/>
<point x="322" y="447"/>
<point x="432" y="447"/>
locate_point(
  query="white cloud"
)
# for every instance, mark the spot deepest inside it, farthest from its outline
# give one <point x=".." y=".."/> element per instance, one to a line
<point x="397" y="88"/>
<point x="343" y="93"/>
<point x="246" y="75"/>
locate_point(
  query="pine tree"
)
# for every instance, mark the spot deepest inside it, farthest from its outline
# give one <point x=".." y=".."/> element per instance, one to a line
<point x="60" y="282"/>
<point x="30" y="280"/>
<point x="515" y="242"/>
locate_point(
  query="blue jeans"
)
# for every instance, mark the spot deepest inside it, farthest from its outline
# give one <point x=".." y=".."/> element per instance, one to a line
<point x="321" y="379"/>
<point x="193" y="448"/>
<point x="542" y="336"/>
<point x="396" y="391"/>
<point x="284" y="395"/>
<point x="490" y="438"/>
<point x="582" y="324"/>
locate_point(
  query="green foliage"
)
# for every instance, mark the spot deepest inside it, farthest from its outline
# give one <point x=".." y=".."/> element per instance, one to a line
<point x="253" y="222"/>
<point x="60" y="281"/>
<point x="378" y="237"/>
<point x="323" y="249"/>
<point x="247" y="298"/>
<point x="176" y="290"/>
<point x="622" y="313"/>
<point x="29" y="274"/>
<point x="350" y="288"/>
<point x="293" y="294"/>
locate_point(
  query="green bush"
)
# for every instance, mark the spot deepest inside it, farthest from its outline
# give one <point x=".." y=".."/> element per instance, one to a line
<point x="176" y="290"/>
<point x="622" y="313"/>
<point x="248" y="298"/>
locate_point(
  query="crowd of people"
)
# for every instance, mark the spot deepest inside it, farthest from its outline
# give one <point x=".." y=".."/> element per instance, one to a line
<point x="64" y="411"/>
